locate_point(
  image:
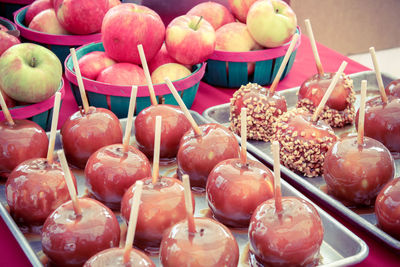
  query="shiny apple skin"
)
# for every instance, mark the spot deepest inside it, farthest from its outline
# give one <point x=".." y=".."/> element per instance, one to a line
<point x="387" y="208"/>
<point x="70" y="240"/>
<point x="212" y="245"/>
<point x="34" y="189"/>
<point x="110" y="172"/>
<point x="393" y="88"/>
<point x="357" y="173"/>
<point x="162" y="205"/>
<point x="19" y="142"/>
<point x="235" y="190"/>
<point x="115" y="257"/>
<point x="291" y="239"/>
<point x="198" y="155"/>
<point x="173" y="127"/>
<point x="382" y="121"/>
<point x="83" y="134"/>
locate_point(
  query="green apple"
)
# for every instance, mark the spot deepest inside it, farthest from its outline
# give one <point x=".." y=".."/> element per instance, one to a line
<point x="29" y="72"/>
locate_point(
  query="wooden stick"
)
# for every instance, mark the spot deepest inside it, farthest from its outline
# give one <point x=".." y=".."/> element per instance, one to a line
<point x="189" y="204"/>
<point x="128" y="128"/>
<point x="243" y="135"/>
<point x="185" y="110"/>
<point x="378" y="75"/>
<point x="80" y="81"/>
<point x="361" y="114"/>
<point x="5" y="110"/>
<point x="329" y="91"/>
<point x="133" y="220"/>
<point x="153" y="98"/>
<point x="314" y="47"/>
<point x="277" y="177"/>
<point x="156" y="157"/>
<point x="70" y="183"/>
<point x="283" y="64"/>
<point x="54" y="122"/>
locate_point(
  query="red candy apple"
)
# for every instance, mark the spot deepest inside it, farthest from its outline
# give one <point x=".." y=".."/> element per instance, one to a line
<point x="128" y="25"/>
<point x="122" y="74"/>
<point x="162" y="57"/>
<point x="35" y="8"/>
<point x="216" y="14"/>
<point x="393" y="88"/>
<point x="47" y="22"/>
<point x="115" y="257"/>
<point x="93" y="63"/>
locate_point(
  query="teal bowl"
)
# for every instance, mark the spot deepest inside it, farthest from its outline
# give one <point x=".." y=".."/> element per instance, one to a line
<point x="116" y="97"/>
<point x="230" y="69"/>
<point x="8" y="24"/>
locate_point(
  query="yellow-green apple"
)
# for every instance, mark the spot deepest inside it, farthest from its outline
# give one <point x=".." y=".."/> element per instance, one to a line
<point x="162" y="57"/>
<point x="190" y="39"/>
<point x="127" y="25"/>
<point x="214" y="13"/>
<point x="173" y="71"/>
<point x="81" y="16"/>
<point x="271" y="23"/>
<point x="113" y="3"/>
<point x="29" y="72"/>
<point x="93" y="63"/>
<point x="122" y="74"/>
<point x="35" y="8"/>
<point x="46" y="21"/>
<point x="6" y="41"/>
<point x="240" y="8"/>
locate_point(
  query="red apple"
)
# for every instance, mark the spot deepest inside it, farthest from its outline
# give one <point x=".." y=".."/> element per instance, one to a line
<point x="3" y="28"/>
<point x="81" y="16"/>
<point x="93" y="63"/>
<point x="190" y="39"/>
<point x="215" y="13"/>
<point x="46" y="21"/>
<point x="173" y="71"/>
<point x="235" y="37"/>
<point x="240" y="8"/>
<point x="113" y="3"/>
<point x="162" y="57"/>
<point x="35" y="8"/>
<point x="128" y="25"/>
<point x="122" y="74"/>
<point x="6" y="41"/>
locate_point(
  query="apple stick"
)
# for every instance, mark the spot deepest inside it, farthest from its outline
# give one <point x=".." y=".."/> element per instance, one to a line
<point x="189" y="204"/>
<point x="277" y="177"/>
<point x="329" y="91"/>
<point x="378" y="75"/>
<point x="156" y="157"/>
<point x="153" y="98"/>
<point x="283" y="64"/>
<point x="243" y="135"/>
<point x="133" y="216"/>
<point x="70" y="183"/>
<point x="128" y="128"/>
<point x="314" y="47"/>
<point x="54" y="122"/>
<point x="185" y="110"/>
<point x="360" y="136"/>
<point x="5" y="110"/>
<point x="80" y="81"/>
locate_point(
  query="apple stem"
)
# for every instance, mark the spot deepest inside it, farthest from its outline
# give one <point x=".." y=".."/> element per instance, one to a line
<point x="314" y="47"/>
<point x="156" y="156"/>
<point x="361" y="115"/>
<point x="189" y="205"/>
<point x="33" y="62"/>
<point x="378" y="75"/>
<point x="128" y="128"/>
<point x="277" y="177"/>
<point x="6" y="112"/>
<point x="54" y="122"/>
<point x="196" y="27"/>
<point x="243" y="135"/>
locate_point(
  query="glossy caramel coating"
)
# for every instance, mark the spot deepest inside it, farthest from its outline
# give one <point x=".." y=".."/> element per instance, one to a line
<point x="110" y="172"/>
<point x="115" y="257"/>
<point x="292" y="238"/>
<point x="212" y="245"/>
<point x="82" y="134"/>
<point x="198" y="155"/>
<point x="19" y="142"/>
<point x="357" y="173"/>
<point x="235" y="190"/>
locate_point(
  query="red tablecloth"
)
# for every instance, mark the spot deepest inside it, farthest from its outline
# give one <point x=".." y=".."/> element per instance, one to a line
<point x="207" y="96"/>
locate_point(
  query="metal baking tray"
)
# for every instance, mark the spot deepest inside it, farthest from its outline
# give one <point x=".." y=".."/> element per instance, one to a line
<point x="340" y="247"/>
<point x="365" y="219"/>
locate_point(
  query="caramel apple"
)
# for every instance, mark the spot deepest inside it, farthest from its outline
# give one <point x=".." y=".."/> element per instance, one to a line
<point x="393" y="88"/>
<point x="115" y="257"/>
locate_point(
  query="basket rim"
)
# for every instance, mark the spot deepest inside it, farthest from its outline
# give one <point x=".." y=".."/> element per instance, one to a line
<point x="53" y="39"/>
<point x="125" y="90"/>
<point x="256" y="55"/>
<point x="28" y="111"/>
<point x="9" y="22"/>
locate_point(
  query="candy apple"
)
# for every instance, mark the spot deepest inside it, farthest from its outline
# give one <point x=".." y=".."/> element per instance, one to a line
<point x="173" y="71"/>
<point x="122" y="74"/>
<point x="29" y="72"/>
<point x="93" y="63"/>
<point x="162" y="57"/>
<point x="128" y="25"/>
<point x="46" y="21"/>
<point x="215" y="13"/>
<point x="6" y="41"/>
<point x="35" y="8"/>
<point x="271" y="23"/>
<point x="190" y="39"/>
<point x="240" y="8"/>
<point x="393" y="88"/>
<point x="81" y="16"/>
